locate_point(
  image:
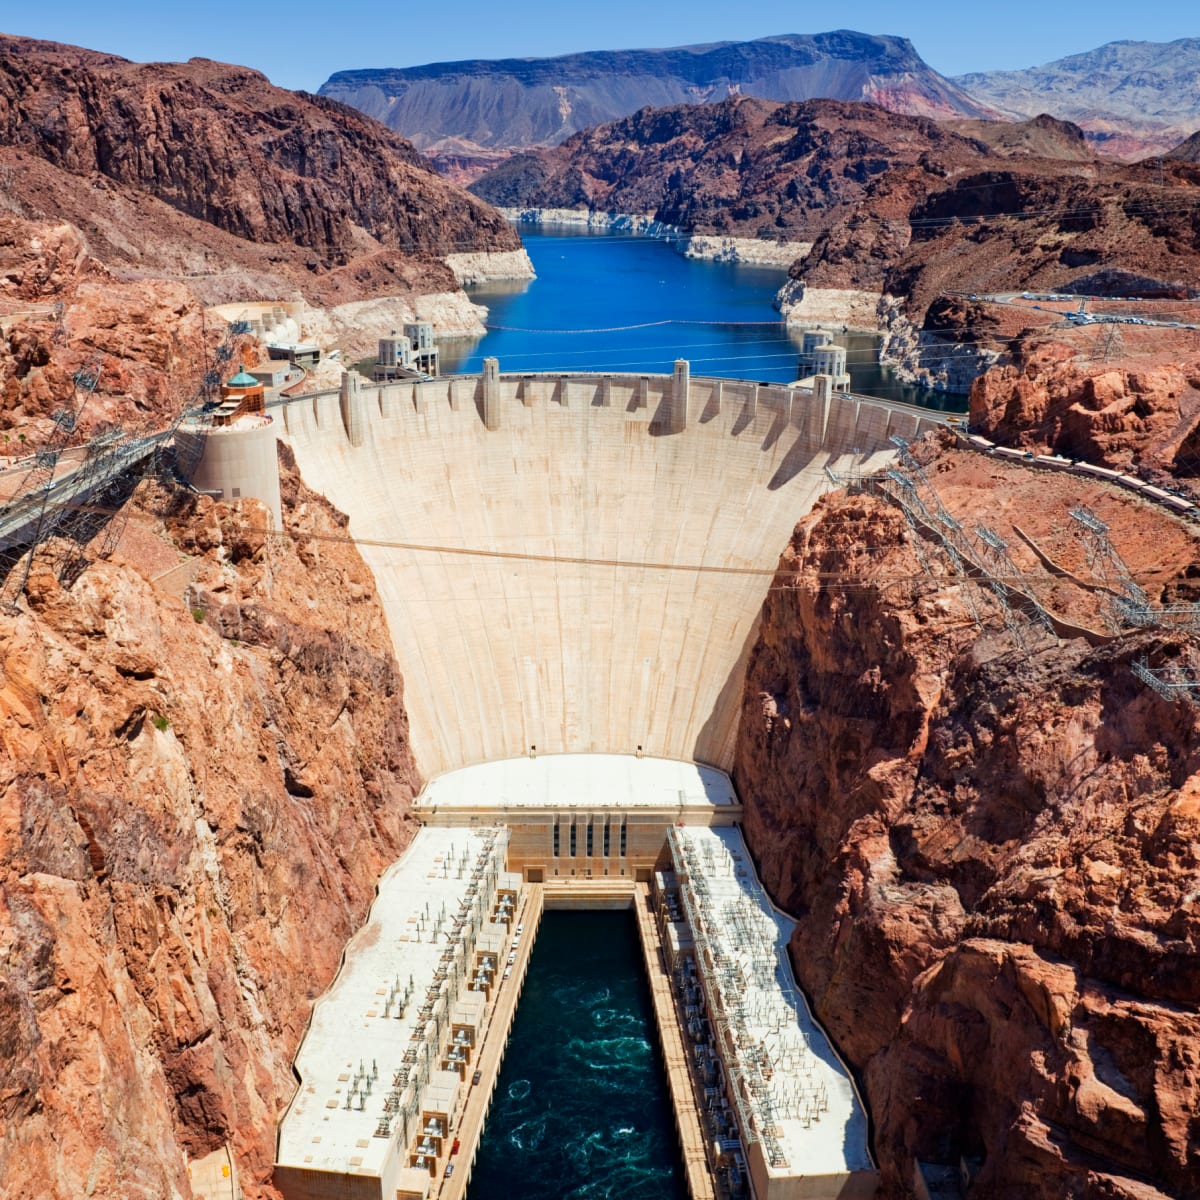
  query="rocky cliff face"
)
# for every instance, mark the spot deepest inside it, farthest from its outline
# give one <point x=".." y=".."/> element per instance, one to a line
<point x="150" y="335"/>
<point x="463" y="113"/>
<point x="135" y="195"/>
<point x="197" y="794"/>
<point x="221" y="145"/>
<point x="1136" y="409"/>
<point x="1132" y="98"/>
<point x="744" y="166"/>
<point x="992" y="852"/>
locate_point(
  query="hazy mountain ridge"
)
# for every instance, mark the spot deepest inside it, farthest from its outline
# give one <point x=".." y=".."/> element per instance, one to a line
<point x="484" y="109"/>
<point x="1131" y="98"/>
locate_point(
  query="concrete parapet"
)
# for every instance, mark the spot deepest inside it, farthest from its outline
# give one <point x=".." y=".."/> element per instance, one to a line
<point x="389" y="400"/>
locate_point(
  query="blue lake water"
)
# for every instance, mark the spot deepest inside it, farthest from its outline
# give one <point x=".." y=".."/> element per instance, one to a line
<point x="621" y="302"/>
<point x="581" y="1110"/>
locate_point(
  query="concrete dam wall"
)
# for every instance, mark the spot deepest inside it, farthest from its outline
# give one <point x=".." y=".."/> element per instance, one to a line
<point x="577" y="563"/>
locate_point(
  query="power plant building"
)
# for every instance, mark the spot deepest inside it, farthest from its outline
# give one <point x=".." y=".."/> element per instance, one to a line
<point x="390" y="1050"/>
<point x="582" y="816"/>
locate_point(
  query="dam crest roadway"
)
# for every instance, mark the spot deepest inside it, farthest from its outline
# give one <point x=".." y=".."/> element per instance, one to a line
<point x="576" y="563"/>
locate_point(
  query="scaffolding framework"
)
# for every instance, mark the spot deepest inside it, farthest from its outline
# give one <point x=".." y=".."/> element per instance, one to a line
<point x="107" y="463"/>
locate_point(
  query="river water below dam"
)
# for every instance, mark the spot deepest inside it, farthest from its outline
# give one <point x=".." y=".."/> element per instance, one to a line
<point x="629" y="302"/>
<point x="581" y="1108"/>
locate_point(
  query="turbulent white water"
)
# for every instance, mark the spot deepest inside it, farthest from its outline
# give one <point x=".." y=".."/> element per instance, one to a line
<point x="581" y="1107"/>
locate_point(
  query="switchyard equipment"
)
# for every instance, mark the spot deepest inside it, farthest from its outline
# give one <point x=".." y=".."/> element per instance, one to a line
<point x="390" y="1047"/>
<point x="785" y="1107"/>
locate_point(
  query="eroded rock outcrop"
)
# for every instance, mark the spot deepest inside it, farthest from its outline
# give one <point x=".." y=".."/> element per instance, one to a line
<point x="1139" y="410"/>
<point x="135" y="195"/>
<point x="220" y="144"/>
<point x="198" y="790"/>
<point x="993" y="852"/>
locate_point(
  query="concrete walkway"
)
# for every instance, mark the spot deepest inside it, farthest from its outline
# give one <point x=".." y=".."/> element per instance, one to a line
<point x="214" y="1176"/>
<point x="674" y="1051"/>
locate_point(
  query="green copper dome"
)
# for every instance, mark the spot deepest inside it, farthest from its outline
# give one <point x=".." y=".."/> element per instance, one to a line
<point x="242" y="379"/>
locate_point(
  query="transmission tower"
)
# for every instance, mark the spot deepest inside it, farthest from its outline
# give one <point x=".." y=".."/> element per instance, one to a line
<point x="33" y="492"/>
<point x="105" y="467"/>
<point x="1114" y="344"/>
<point x="1170" y="682"/>
<point x="980" y="564"/>
<point x="1127" y="601"/>
<point x="1003" y="572"/>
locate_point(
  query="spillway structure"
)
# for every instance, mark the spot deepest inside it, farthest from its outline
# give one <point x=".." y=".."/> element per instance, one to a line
<point x="572" y="569"/>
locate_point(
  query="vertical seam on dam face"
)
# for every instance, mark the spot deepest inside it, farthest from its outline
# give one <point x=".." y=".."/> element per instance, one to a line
<point x="579" y="647"/>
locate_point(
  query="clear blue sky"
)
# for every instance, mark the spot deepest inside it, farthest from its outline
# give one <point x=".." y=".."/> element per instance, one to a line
<point x="299" y="44"/>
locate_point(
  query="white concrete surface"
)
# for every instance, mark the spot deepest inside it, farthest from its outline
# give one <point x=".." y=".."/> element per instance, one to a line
<point x="776" y="1054"/>
<point x="350" y="1025"/>
<point x="238" y="460"/>
<point x="578" y="579"/>
<point x="566" y="781"/>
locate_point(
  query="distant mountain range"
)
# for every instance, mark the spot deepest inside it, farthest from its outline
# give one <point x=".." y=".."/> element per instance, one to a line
<point x="1131" y="98"/>
<point x="465" y="115"/>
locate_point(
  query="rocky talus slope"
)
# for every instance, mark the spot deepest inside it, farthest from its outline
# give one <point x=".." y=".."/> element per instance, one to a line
<point x="197" y="794"/>
<point x="993" y="852"/>
<point x="468" y="114"/>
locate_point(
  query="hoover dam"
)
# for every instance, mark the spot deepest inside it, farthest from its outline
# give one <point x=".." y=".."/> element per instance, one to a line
<point x="572" y="568"/>
<point x="574" y="564"/>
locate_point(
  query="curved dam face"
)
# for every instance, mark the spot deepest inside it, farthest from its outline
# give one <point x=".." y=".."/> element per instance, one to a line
<point x="577" y="563"/>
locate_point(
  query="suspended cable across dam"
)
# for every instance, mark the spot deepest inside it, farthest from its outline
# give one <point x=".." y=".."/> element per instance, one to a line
<point x="640" y="325"/>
